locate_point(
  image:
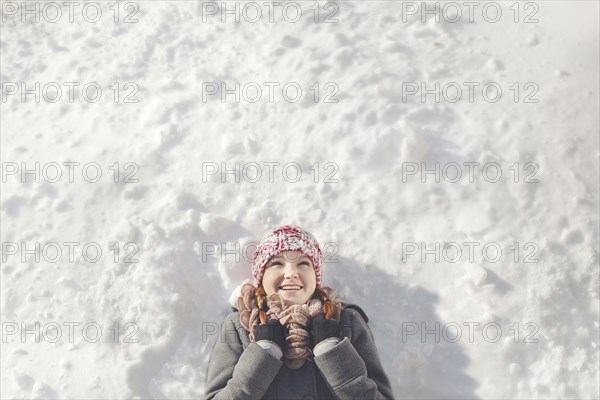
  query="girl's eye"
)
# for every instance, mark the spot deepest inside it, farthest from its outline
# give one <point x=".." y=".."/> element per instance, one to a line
<point x="279" y="263"/>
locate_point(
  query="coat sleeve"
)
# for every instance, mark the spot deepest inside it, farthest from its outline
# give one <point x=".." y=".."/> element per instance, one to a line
<point x="235" y="373"/>
<point x="362" y="375"/>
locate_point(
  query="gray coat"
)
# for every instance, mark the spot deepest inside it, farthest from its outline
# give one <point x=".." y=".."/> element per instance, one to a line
<point x="240" y="369"/>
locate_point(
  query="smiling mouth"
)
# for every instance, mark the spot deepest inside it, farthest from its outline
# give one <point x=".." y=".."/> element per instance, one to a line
<point x="291" y="288"/>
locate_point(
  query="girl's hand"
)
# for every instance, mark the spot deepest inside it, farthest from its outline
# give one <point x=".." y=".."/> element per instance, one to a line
<point x="320" y="329"/>
<point x="273" y="331"/>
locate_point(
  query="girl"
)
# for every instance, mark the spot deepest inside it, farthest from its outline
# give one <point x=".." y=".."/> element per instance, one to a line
<point x="290" y="338"/>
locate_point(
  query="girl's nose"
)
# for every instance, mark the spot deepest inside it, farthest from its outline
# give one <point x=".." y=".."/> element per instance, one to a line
<point x="290" y="271"/>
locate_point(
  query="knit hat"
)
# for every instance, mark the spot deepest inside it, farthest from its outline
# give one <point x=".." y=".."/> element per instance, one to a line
<point x="286" y="238"/>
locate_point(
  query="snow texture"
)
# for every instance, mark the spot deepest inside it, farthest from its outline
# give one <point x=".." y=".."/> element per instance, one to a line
<point x="184" y="223"/>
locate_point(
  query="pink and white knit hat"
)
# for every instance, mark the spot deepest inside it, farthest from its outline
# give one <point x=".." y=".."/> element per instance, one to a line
<point x="282" y="239"/>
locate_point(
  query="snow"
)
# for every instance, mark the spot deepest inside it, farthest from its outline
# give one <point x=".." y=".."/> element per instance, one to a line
<point x="183" y="223"/>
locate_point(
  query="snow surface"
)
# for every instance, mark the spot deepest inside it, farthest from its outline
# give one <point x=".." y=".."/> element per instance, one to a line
<point x="178" y="292"/>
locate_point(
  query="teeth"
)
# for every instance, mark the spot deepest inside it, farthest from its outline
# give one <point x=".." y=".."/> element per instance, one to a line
<point x="290" y="287"/>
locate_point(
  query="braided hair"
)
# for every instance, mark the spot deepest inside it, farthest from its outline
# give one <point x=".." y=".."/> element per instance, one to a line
<point x="253" y="306"/>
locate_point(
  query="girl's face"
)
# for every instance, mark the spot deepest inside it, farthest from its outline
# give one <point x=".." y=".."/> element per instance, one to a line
<point x="290" y="274"/>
